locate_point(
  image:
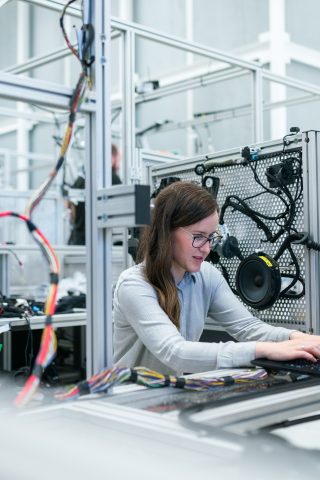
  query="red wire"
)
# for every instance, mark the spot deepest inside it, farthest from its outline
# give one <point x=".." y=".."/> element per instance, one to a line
<point x="46" y="343"/>
<point x="49" y="246"/>
<point x="48" y="332"/>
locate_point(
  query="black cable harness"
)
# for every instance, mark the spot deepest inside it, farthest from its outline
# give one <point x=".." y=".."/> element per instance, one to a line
<point x="279" y="176"/>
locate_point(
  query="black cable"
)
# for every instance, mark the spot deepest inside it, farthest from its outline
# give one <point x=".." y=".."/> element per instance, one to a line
<point x="254" y="196"/>
<point x="259" y="182"/>
<point x="255" y="212"/>
<point x="27" y="361"/>
<point x="291" y="423"/>
<point x="27" y="368"/>
<point x="296" y="275"/>
<point x="295" y="296"/>
<point x="287" y="192"/>
<point x="288" y="215"/>
<point x="249" y="213"/>
<point x="289" y="212"/>
<point x="73" y="50"/>
<point x="282" y="186"/>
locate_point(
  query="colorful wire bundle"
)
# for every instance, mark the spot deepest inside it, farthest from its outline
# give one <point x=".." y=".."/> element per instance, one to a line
<point x="106" y="379"/>
<point x="48" y="343"/>
<point x="75" y="101"/>
<point x="98" y="383"/>
<point x="87" y="35"/>
<point x="65" y="36"/>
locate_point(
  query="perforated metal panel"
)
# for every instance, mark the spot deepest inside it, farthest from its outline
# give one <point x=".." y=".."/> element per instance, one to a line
<point x="237" y="179"/>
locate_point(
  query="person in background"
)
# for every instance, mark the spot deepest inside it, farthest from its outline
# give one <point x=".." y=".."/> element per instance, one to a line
<point x="161" y="304"/>
<point x="77" y="210"/>
<point x="77" y="217"/>
<point x="115" y="162"/>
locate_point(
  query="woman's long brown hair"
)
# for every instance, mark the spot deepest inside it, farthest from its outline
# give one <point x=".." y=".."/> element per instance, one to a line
<point x="178" y="205"/>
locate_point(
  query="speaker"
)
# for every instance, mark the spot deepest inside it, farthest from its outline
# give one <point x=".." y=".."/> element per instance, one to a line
<point x="258" y="281"/>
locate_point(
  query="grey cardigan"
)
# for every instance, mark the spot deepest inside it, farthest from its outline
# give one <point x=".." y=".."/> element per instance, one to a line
<point x="145" y="336"/>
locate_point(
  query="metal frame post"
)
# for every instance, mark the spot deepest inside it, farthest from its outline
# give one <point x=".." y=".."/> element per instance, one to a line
<point x="4" y="288"/>
<point x="278" y="59"/>
<point x="128" y="118"/>
<point x="131" y="170"/>
<point x="257" y="110"/>
<point x="311" y="181"/>
<point x="98" y="175"/>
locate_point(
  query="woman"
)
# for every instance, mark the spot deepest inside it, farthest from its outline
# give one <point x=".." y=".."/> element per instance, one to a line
<point x="161" y="304"/>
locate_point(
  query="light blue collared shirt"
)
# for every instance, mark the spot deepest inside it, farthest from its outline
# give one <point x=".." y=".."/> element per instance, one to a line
<point x="145" y="336"/>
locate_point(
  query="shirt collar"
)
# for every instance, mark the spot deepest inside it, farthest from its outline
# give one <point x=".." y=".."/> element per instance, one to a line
<point x="187" y="277"/>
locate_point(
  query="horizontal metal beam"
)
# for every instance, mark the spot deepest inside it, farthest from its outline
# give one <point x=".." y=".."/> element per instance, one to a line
<point x="181" y="44"/>
<point x="170" y="40"/>
<point x="61" y="249"/>
<point x="3" y="2"/>
<point x="36" y="91"/>
<point x="291" y="82"/>
<point x="53" y="56"/>
<point x="9" y="127"/>
<point x="291" y="102"/>
<point x="215" y="77"/>
<point x="226" y="114"/>
<point x="123" y="206"/>
<point x="59" y="320"/>
<point x="39" y="61"/>
<point x="76" y="195"/>
<point x="198" y="81"/>
<point x="57" y="5"/>
<point x="41" y="157"/>
<point x="31" y="115"/>
<point x="176" y="42"/>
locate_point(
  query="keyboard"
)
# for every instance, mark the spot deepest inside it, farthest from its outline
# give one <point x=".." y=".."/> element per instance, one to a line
<point x="298" y="365"/>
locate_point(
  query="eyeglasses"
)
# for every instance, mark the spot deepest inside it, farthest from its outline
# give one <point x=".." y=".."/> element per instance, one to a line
<point x="199" y="240"/>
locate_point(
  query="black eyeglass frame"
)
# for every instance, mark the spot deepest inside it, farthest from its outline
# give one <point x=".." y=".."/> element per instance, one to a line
<point x="216" y="236"/>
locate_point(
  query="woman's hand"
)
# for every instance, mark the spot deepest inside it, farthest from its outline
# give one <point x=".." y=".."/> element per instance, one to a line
<point x="305" y="336"/>
<point x="299" y="346"/>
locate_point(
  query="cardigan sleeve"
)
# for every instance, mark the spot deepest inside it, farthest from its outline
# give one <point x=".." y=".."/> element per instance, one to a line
<point x="136" y="302"/>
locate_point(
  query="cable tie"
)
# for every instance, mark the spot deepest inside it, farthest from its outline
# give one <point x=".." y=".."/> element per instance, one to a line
<point x="48" y="320"/>
<point x="180" y="382"/>
<point x="227" y="381"/>
<point x="37" y="370"/>
<point x="54" y="278"/>
<point x="60" y="162"/>
<point x="133" y="376"/>
<point x="88" y="63"/>
<point x="84" y="387"/>
<point x="72" y="116"/>
<point x="31" y="226"/>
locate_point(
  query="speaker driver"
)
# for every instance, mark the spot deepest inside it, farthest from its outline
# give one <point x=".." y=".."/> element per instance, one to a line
<point x="258" y="281"/>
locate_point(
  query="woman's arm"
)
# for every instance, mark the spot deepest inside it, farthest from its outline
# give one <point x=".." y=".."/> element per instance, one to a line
<point x="231" y="314"/>
<point x="136" y="301"/>
<point x="276" y="343"/>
